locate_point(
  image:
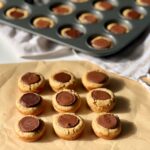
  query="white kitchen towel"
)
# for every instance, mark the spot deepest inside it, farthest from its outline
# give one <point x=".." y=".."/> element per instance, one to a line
<point x="29" y="45"/>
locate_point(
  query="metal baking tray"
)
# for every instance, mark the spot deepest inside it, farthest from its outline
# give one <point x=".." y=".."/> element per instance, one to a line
<point x="81" y="43"/>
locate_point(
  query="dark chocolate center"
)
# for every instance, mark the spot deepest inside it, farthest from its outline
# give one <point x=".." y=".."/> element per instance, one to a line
<point x="133" y="14"/>
<point x="106" y="5"/>
<point x="62" y="77"/>
<point x="108" y="121"/>
<point x="68" y="121"/>
<point x="101" y="43"/>
<point x="90" y="18"/>
<point x="73" y="33"/>
<point x="43" y="24"/>
<point x="29" y="124"/>
<point x="61" y="10"/>
<point x="100" y="95"/>
<point x="31" y="78"/>
<point x="118" y="29"/>
<point x="17" y="14"/>
<point x="65" y="98"/>
<point x="30" y="100"/>
<point x="97" y="77"/>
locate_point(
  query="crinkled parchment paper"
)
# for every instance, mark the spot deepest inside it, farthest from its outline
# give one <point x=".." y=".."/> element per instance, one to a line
<point x="133" y="108"/>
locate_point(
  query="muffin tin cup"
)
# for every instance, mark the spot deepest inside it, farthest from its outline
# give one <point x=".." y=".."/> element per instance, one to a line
<point x="136" y="27"/>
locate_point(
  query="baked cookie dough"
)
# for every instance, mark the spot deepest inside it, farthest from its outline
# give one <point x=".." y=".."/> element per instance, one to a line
<point x="107" y="126"/>
<point x="1" y="5"/>
<point x="79" y="1"/>
<point x="70" y="32"/>
<point x="132" y="14"/>
<point x="94" y="79"/>
<point x="66" y="101"/>
<point x="101" y="42"/>
<point x="17" y="13"/>
<point x="43" y="22"/>
<point x="62" y="9"/>
<point x="30" y="104"/>
<point x="68" y="126"/>
<point x="88" y="18"/>
<point x="31" y="82"/>
<point x="101" y="100"/>
<point x="117" y="28"/>
<point x="103" y="5"/>
<point x="143" y="2"/>
<point x="30" y="128"/>
<point x="62" y="80"/>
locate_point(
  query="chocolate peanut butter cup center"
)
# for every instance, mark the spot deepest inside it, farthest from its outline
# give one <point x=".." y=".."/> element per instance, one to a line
<point x="118" y="29"/>
<point x="97" y="77"/>
<point x="105" y="5"/>
<point x="30" y="100"/>
<point x="90" y="18"/>
<point x="43" y="23"/>
<point x="68" y="121"/>
<point x="61" y="10"/>
<point x="65" y="98"/>
<point x="73" y="33"/>
<point x="133" y="14"/>
<point x="16" y="14"/>
<point x="101" y="43"/>
<point x="108" y="121"/>
<point x="29" y="124"/>
<point x="62" y="77"/>
<point x="31" y="78"/>
<point x="100" y="95"/>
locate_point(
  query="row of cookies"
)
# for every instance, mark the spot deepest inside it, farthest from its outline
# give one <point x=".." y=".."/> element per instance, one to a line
<point x="99" y="100"/>
<point x="34" y="82"/>
<point x="68" y="126"/>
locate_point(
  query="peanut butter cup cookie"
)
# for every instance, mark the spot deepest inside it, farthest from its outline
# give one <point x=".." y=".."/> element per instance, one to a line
<point x="43" y="22"/>
<point x="66" y="101"/>
<point x="132" y="14"/>
<point x="30" y="104"/>
<point x="68" y="126"/>
<point x="107" y="126"/>
<point x="103" y="5"/>
<point x="17" y="13"/>
<point x="94" y="79"/>
<point x="101" y="100"/>
<point x="30" y="128"/>
<point x="62" y="80"/>
<point x="31" y="82"/>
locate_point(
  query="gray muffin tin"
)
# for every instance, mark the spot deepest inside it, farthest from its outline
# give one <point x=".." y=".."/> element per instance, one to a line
<point x="81" y="44"/>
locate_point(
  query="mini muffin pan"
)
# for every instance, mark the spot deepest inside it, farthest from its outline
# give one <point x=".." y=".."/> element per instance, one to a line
<point x="89" y="31"/>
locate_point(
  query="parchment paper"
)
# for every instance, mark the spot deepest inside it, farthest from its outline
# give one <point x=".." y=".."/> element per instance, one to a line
<point x="133" y="108"/>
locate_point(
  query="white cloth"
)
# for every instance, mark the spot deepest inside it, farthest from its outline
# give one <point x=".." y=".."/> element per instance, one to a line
<point x="29" y="45"/>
